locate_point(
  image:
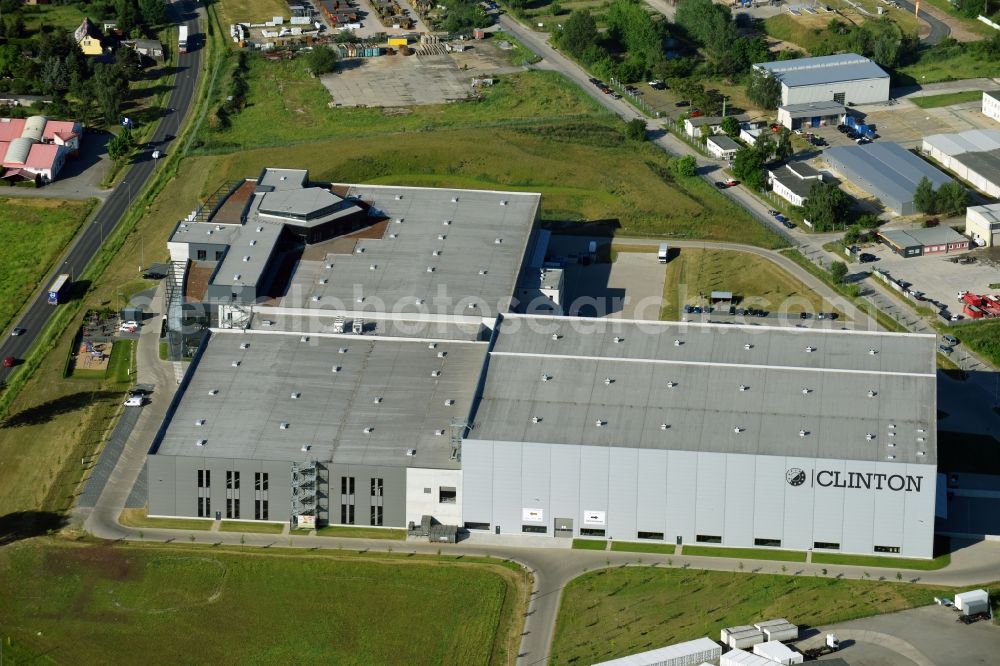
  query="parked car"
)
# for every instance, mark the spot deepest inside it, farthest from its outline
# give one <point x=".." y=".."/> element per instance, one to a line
<point x="772" y="212"/>
<point x="9" y="362"/>
<point x="16" y="331"/>
<point x="961" y="294"/>
<point x="156" y="154"/>
<point x="129" y="327"/>
<point x="719" y="184"/>
<point x="732" y="183"/>
<point x="682" y="103"/>
<point x="950" y="339"/>
<point x="867" y="258"/>
<point x="615" y="95"/>
<point x="695" y="113"/>
<point x="945" y="349"/>
<point x="803" y="315"/>
<point x="134" y="401"/>
<point x="657" y="84"/>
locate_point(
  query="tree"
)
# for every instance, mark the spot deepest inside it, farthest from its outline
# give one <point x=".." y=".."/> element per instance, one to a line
<point x="764" y="90"/>
<point x="321" y="60"/>
<point x="121" y="145"/>
<point x="951" y="198"/>
<point x="55" y="75"/>
<point x="783" y="147"/>
<point x="130" y="64"/>
<point x="685" y="167"/>
<point x="748" y="166"/>
<point x="579" y="33"/>
<point x="731" y="126"/>
<point x="923" y="197"/>
<point x="154" y="12"/>
<point x="109" y="86"/>
<point x="635" y="129"/>
<point x="827" y="206"/>
<point x="853" y="234"/>
<point x="838" y="271"/>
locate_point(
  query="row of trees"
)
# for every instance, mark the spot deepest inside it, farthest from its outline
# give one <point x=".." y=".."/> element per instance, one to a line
<point x="464" y="15"/>
<point x="750" y="161"/>
<point x="949" y="199"/>
<point x="133" y="17"/>
<point x="880" y="39"/>
<point x="711" y="25"/>
<point x="630" y="49"/>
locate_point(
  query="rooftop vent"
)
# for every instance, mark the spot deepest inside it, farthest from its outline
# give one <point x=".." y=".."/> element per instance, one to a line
<point x="360" y="250"/>
<point x="536" y="419"/>
<point x="213" y="392"/>
<point x="454" y="199"/>
<point x="892" y="433"/>
<point x="201" y="442"/>
<point x="892" y="425"/>
<point x="617" y="340"/>
<point x="664" y="426"/>
<point x="199" y="422"/>
<point x="316" y="298"/>
<point x="411" y="452"/>
<point x="608" y="381"/>
<point x="419" y="301"/>
<point x="439" y="432"/>
<point x="323" y="280"/>
<point x="449" y="402"/>
<point x="738" y="429"/>
<point x="671" y="384"/>
<point x="442" y="236"/>
<point x="446" y="223"/>
<point x="430" y="269"/>
<point x="890" y="457"/>
<point x="921" y="430"/>
<point x="891" y="445"/>
<point x="260" y="228"/>
<point x="436" y="253"/>
<point x="236" y="278"/>
<point x="253" y="242"/>
<point x="810" y="350"/>
<point x="328" y="265"/>
<point x="482" y="271"/>
<point x="361" y="299"/>
<point x="748" y="346"/>
<point x="306" y="447"/>
<point x="744" y="387"/>
<point x="393" y="235"/>
<point x="368" y="430"/>
<point x="435" y="373"/>
<point x="283" y="425"/>
<point x="399" y="220"/>
<point x="556" y="336"/>
<point x="802" y="433"/>
<point x="246" y="257"/>
<point x="236" y="364"/>
<point x="432" y="345"/>
<point x="473" y="306"/>
<point x="872" y="351"/>
<point x="342" y="350"/>
<point x="336" y="368"/>
<point x="244" y="345"/>
<point x="497" y="240"/>
<point x="503" y="202"/>
<point x="871" y="393"/>
<point x="870" y="436"/>
<point x="295" y="395"/>
<point x="921" y="439"/>
<point x="377" y="400"/>
<point x="545" y="377"/>
<point x="304" y="338"/>
<point x="921" y="453"/>
<point x="677" y="343"/>
<point x="372" y="267"/>
<point x="806" y="391"/>
<point x="600" y="423"/>
<point x="442" y="354"/>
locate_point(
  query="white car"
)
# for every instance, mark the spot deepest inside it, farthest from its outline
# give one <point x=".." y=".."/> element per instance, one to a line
<point x="961" y="294"/>
<point x="156" y="154"/>
<point x="129" y="327"/>
<point x="134" y="401"/>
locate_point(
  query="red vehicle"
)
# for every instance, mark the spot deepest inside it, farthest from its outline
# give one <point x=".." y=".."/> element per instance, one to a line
<point x="695" y="113"/>
<point x="9" y="362"/>
<point x="732" y="183"/>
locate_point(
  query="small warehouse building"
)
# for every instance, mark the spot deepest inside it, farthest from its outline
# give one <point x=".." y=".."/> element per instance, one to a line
<point x="972" y="602"/>
<point x="991" y="105"/>
<point x="846" y="78"/>
<point x="887" y="171"/>
<point x="739" y="657"/>
<point x="917" y="242"/>
<point x="778" y="652"/>
<point x="792" y="182"/>
<point x="973" y="156"/>
<point x="983" y="222"/>
<point x="689" y="653"/>
<point x="722" y="147"/>
<point x="811" y="114"/>
<point x="692" y="126"/>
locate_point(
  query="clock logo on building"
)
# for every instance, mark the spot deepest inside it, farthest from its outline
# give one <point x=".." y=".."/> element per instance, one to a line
<point x="795" y="476"/>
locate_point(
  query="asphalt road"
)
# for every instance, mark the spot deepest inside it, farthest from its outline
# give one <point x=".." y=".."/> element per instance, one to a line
<point x="110" y="214"/>
<point x="939" y="30"/>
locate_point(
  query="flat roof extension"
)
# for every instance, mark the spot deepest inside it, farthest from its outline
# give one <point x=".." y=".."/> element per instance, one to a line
<point x="823" y="69"/>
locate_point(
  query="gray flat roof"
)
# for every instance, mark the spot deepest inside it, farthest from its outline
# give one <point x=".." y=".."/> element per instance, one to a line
<point x="204" y="232"/>
<point x="798" y="177"/>
<point x="977" y="140"/>
<point x="333" y="408"/>
<point x="282" y="179"/>
<point x="705" y="404"/>
<point x="698" y="121"/>
<point x="823" y="69"/>
<point x="724" y="142"/>
<point x="984" y="163"/>
<point x="888" y="168"/>
<point x="666" y="654"/>
<point x="306" y="207"/>
<point x="992" y="94"/>
<point x="442" y="251"/>
<point x="929" y="236"/>
<point x="989" y="212"/>
<point x="809" y="109"/>
<point x="250" y="249"/>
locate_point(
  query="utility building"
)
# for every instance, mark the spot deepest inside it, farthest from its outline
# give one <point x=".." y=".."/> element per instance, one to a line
<point x="847" y="78"/>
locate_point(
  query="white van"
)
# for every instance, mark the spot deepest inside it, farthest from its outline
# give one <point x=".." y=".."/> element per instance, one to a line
<point x="662" y="254"/>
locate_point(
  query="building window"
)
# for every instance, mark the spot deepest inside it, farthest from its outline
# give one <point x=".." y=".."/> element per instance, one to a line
<point x="204" y="507"/>
<point x="347" y="514"/>
<point x="651" y="535"/>
<point x="202" y="255"/>
<point x="427" y="491"/>
<point x="447" y="495"/>
<point x="477" y="526"/>
<point x="377" y="487"/>
<point x="886" y="549"/>
<point x="347" y="500"/>
<point x="773" y="543"/>
<point x="260" y="483"/>
<point x="590" y="532"/>
<point x="707" y="538"/>
<point x="232" y="480"/>
<point x="218" y="255"/>
<point x="839" y="97"/>
<point x="825" y="545"/>
<point x="232" y="507"/>
<point x="534" y="529"/>
<point x="376" y="515"/>
<point x="204" y="478"/>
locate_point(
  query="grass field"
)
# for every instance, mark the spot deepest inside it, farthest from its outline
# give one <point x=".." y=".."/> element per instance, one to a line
<point x="250" y="11"/>
<point x="172" y="603"/>
<point x="982" y="337"/>
<point x="62" y="17"/>
<point x="138" y="518"/>
<point x="614" y="612"/>
<point x="33" y="233"/>
<point x="694" y="272"/>
<point x="746" y="553"/>
<point x="947" y="99"/>
<point x="255" y="528"/>
<point x="590" y="544"/>
<point x="961" y="65"/>
<point x="361" y="533"/>
<point x="634" y="547"/>
<point x="938" y="562"/>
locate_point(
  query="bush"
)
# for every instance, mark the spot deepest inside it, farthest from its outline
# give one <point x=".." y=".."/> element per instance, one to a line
<point x="321" y="60"/>
<point x="635" y="129"/>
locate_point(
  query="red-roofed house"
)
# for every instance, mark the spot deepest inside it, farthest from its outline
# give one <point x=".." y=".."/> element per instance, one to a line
<point x="36" y="146"/>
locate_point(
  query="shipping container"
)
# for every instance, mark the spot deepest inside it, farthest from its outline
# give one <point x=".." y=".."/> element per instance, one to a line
<point x="974" y="601"/>
<point x="778" y="652"/>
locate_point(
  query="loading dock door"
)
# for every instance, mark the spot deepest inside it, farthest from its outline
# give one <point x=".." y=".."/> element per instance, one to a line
<point x="564" y="528"/>
<point x="815" y="121"/>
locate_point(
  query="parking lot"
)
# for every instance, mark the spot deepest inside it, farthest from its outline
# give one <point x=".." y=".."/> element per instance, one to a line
<point x="928" y="636"/>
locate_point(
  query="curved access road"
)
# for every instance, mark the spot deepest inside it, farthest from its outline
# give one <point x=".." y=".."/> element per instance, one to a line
<point x="939" y="29"/>
<point x="37" y="314"/>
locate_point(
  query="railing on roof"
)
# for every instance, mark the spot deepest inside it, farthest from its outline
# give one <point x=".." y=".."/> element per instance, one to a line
<point x="216" y="199"/>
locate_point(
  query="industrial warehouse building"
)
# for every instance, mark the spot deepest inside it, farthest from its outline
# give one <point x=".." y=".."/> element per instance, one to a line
<point x="353" y="395"/>
<point x="991" y="105"/>
<point x="887" y="171"/>
<point x="847" y="78"/>
<point x="917" y="242"/>
<point x="983" y="222"/>
<point x="973" y="156"/>
<point x="792" y="182"/>
<point x="811" y="114"/>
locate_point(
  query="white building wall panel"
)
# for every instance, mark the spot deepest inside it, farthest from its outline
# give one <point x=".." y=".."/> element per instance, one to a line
<point x="594" y="463"/>
<point x="828" y="511"/>
<point x="622" y="478"/>
<point x="477" y="475"/>
<point x="739" y="529"/>
<point x="682" y="467"/>
<point x="859" y="507"/>
<point x="564" y="482"/>
<point x="769" y="497"/>
<point x="918" y="516"/>
<point x="711" y="494"/>
<point x="507" y="486"/>
<point x="798" y="507"/>
<point x="419" y="503"/>
<point x="865" y="91"/>
<point x="535" y="475"/>
<point x="651" y="493"/>
<point x="888" y="511"/>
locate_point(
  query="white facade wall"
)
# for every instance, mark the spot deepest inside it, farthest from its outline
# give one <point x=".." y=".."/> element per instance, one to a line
<point x="989" y="187"/>
<point x="977" y="224"/>
<point x="786" y="194"/>
<point x="862" y="91"/>
<point x="991" y="106"/>
<point x="718" y="152"/>
<point x="179" y="251"/>
<point x="687" y="495"/>
<point x="421" y="503"/>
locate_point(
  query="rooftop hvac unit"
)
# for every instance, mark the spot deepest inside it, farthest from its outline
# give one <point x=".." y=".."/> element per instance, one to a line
<point x="738" y="429"/>
<point x="806" y="391"/>
<point x="454" y="199"/>
<point x="399" y="220"/>
<point x="439" y="432"/>
<point x="368" y="430"/>
<point x="872" y="352"/>
<point x="482" y="271"/>
<point x="323" y="280"/>
<point x="535" y="419"/>
<point x="497" y="241"/>
<point x="236" y="364"/>
<point x="446" y="223"/>
<point x="244" y="345"/>
<point x="664" y="426"/>
<point x="304" y="338"/>
<point x="442" y="236"/>
<point x="546" y="378"/>
<point x="435" y="373"/>
<point x="617" y="340"/>
<point x="200" y="422"/>
<point x="556" y="336"/>
<point x="393" y="235"/>
<point x="677" y="343"/>
<point x="295" y="395"/>
<point x="336" y="368"/>
<point x="306" y="447"/>
<point x="671" y="384"/>
<point x="342" y="350"/>
<point x="436" y="253"/>
<point x="398" y="197"/>
<point x="213" y="392"/>
<point x="442" y="354"/>
<point x="599" y="423"/>
<point x="748" y="346"/>
<point x="315" y="299"/>
<point x="449" y="402"/>
<point x="201" y="442"/>
<point x="283" y="426"/>
<point x="744" y="387"/>
<point x="246" y="257"/>
<point x="411" y="452"/>
<point x="810" y="350"/>
<point x="871" y="394"/>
